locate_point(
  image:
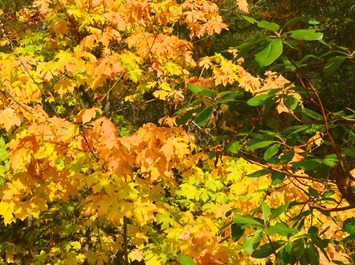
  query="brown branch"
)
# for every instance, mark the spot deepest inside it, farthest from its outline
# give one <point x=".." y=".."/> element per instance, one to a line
<point x="325" y="209"/>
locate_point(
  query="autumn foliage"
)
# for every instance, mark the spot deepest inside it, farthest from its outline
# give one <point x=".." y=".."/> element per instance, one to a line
<point x="86" y="180"/>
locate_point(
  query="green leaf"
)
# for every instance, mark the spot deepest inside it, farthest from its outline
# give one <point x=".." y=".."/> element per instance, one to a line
<point x="3" y="151"/>
<point x="271" y="151"/>
<point x="268" y="25"/>
<point x="333" y="64"/>
<point x="291" y="22"/>
<point x="238" y="219"/>
<point x="237" y="232"/>
<point x="185" y="260"/>
<point x="281" y="229"/>
<point x="250" y="243"/>
<point x="312" y="254"/>
<point x="265" y="210"/>
<point x="349" y="226"/>
<point x="278" y="211"/>
<point x="267" y="249"/>
<point x="201" y="91"/>
<point x="234" y="147"/>
<point x="203" y="116"/>
<point x="248" y="45"/>
<point x="312" y="114"/>
<point x="307" y="164"/>
<point x="298" y="248"/>
<point x="259" y="173"/>
<point x="331" y="160"/>
<point x="185" y="117"/>
<point x="306" y="34"/>
<point x="260" y="145"/>
<point x="259" y="100"/>
<point x="269" y="54"/>
<point x="312" y="21"/>
<point x="313" y="231"/>
<point x="348" y="152"/>
<point x="291" y="102"/>
<point x="228" y="96"/>
<point x="277" y="177"/>
<point x="250" y="19"/>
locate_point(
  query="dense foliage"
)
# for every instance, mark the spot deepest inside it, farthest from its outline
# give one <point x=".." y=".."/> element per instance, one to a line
<point x="176" y="132"/>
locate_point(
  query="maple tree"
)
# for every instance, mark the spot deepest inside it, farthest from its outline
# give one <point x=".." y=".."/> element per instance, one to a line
<point x="123" y="143"/>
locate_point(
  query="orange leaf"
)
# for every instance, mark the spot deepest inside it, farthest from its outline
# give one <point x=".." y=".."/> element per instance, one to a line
<point x="86" y="115"/>
<point x="9" y="119"/>
<point x="243" y="5"/>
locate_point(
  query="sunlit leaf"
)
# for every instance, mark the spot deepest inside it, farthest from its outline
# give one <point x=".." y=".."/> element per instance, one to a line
<point x="306" y="34"/>
<point x="269" y="54"/>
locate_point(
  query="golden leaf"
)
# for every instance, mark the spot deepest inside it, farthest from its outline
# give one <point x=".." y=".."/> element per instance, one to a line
<point x="86" y="115"/>
<point x="243" y="5"/>
<point x="9" y="119"/>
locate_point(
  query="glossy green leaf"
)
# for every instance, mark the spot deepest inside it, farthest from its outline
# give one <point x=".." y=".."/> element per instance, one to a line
<point x="267" y="249"/>
<point x="185" y="260"/>
<point x="312" y="254"/>
<point x="203" y="117"/>
<point x="260" y="145"/>
<point x="201" y="90"/>
<point x="237" y="232"/>
<point x="260" y="173"/>
<point x="250" y="243"/>
<point x="268" y="25"/>
<point x="277" y="177"/>
<point x="313" y="231"/>
<point x="234" y="147"/>
<point x="348" y="152"/>
<point x="331" y="160"/>
<point x="266" y="210"/>
<point x="333" y="64"/>
<point x="312" y="21"/>
<point x="281" y="229"/>
<point x="306" y="34"/>
<point x="269" y="54"/>
<point x="259" y="100"/>
<point x="278" y="211"/>
<point x="291" y="102"/>
<point x="349" y="225"/>
<point x="298" y="248"/>
<point x="307" y="164"/>
<point x="228" y="96"/>
<point x="248" y="45"/>
<point x="271" y="151"/>
<point x="185" y="117"/>
<point x="250" y="19"/>
<point x="312" y="114"/>
<point x="238" y="219"/>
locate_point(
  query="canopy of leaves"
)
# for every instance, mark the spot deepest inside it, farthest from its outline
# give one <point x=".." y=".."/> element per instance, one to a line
<point x="127" y="136"/>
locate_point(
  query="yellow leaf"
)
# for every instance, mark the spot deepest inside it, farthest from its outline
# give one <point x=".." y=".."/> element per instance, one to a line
<point x="243" y="5"/>
<point x="9" y="119"/>
<point x="6" y="210"/>
<point x="59" y="26"/>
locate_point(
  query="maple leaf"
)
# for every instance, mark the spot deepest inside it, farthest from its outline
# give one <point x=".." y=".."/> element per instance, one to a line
<point x="316" y="140"/>
<point x="6" y="211"/>
<point x="243" y="5"/>
<point x="9" y="119"/>
<point x="86" y="115"/>
<point x="42" y="5"/>
<point x="59" y="26"/>
<point x="108" y="66"/>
